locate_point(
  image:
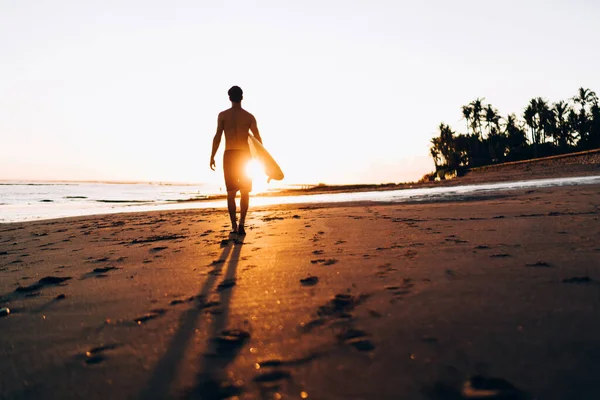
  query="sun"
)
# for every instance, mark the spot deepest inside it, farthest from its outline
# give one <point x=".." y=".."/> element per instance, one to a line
<point x="256" y="171"/>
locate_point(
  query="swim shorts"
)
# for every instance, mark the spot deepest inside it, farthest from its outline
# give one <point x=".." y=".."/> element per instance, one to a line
<point x="234" y="168"/>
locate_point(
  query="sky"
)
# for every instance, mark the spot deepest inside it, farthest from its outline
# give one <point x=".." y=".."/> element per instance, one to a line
<point x="343" y="91"/>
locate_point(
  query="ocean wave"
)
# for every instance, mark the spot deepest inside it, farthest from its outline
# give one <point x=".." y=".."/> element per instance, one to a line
<point x="36" y="184"/>
<point x="125" y="201"/>
<point x="197" y="198"/>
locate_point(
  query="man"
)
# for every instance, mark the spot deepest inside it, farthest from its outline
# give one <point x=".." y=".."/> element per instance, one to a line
<point x="235" y="122"/>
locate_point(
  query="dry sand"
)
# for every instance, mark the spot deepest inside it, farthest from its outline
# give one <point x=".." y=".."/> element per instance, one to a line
<point x="495" y="295"/>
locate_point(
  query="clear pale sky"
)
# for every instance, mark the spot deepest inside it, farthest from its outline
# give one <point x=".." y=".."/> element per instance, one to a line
<point x="343" y="91"/>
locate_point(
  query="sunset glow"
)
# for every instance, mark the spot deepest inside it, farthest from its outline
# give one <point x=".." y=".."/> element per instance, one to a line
<point x="255" y="170"/>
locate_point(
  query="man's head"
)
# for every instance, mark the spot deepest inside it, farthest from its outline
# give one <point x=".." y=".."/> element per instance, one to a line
<point x="235" y="94"/>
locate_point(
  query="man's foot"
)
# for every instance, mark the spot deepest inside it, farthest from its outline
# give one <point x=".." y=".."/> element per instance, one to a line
<point x="241" y="231"/>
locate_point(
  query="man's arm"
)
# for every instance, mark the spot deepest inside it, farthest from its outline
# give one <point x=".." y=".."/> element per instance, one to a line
<point x="254" y="129"/>
<point x="216" y="142"/>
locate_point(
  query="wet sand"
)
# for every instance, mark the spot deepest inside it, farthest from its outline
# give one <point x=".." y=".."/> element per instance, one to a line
<point x="497" y="295"/>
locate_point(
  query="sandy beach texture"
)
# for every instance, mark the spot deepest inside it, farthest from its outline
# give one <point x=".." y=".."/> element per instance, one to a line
<point x="493" y="297"/>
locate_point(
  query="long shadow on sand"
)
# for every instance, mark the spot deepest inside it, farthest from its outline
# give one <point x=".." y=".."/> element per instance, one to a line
<point x="222" y="345"/>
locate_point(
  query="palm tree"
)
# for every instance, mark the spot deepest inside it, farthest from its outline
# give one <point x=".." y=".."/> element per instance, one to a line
<point x="467" y="112"/>
<point x="435" y="152"/>
<point x="492" y="120"/>
<point x="516" y="139"/>
<point x="530" y="119"/>
<point x="545" y="119"/>
<point x="495" y="142"/>
<point x="561" y="132"/>
<point x="573" y="124"/>
<point x="595" y="125"/>
<point x="477" y="108"/>
<point x="446" y="147"/>
<point x="584" y="98"/>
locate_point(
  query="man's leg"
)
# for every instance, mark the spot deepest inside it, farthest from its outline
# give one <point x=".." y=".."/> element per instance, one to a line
<point x="244" y="202"/>
<point x="231" y="208"/>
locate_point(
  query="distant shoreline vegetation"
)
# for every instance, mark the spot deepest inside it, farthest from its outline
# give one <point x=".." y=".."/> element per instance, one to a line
<point x="544" y="129"/>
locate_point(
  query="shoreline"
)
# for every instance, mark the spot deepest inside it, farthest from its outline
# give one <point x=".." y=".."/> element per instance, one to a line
<point x="551" y="167"/>
<point x="441" y="194"/>
<point x="519" y="172"/>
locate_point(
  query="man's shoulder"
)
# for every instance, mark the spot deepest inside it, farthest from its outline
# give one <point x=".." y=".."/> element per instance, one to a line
<point x="226" y="113"/>
<point x="249" y="114"/>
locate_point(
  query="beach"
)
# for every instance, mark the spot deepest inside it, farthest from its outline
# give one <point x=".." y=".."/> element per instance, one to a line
<point x="493" y="296"/>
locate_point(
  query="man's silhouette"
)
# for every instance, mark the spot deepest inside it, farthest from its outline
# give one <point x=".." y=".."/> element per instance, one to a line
<point x="235" y="122"/>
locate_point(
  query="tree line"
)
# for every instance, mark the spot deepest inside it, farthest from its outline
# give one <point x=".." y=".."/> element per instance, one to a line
<point x="543" y="129"/>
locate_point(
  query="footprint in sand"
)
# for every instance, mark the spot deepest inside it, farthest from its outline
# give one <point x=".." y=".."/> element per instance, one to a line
<point x="384" y="270"/>
<point x="274" y="363"/>
<point x="539" y="264"/>
<point x="42" y="283"/>
<point x="455" y="240"/>
<point x="229" y="341"/>
<point x="401" y="290"/>
<point x="226" y="284"/>
<point x="410" y="254"/>
<point x="357" y="339"/>
<point x="153" y="314"/>
<point x="104" y="270"/>
<point x="306" y="327"/>
<point x="323" y="261"/>
<point x="309" y="281"/>
<point x="97" y="355"/>
<point x="341" y="304"/>
<point x="272" y="380"/>
<point x="157" y="238"/>
<point x="157" y="249"/>
<point x="211" y="307"/>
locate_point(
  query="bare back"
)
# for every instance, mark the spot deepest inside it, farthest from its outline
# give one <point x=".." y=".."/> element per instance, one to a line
<point x="236" y="123"/>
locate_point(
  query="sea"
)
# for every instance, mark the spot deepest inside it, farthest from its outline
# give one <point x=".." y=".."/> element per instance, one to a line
<point x="30" y="201"/>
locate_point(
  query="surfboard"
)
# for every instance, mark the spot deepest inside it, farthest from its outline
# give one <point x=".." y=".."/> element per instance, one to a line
<point x="272" y="169"/>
